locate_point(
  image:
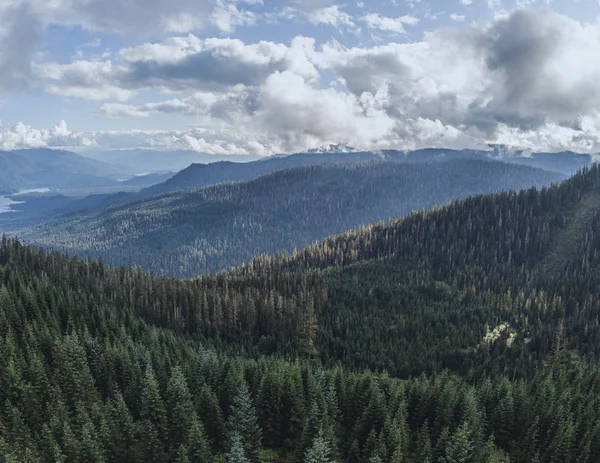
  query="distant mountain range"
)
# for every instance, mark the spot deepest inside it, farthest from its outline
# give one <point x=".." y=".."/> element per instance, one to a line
<point x="200" y="175"/>
<point x="137" y="161"/>
<point x="37" y="209"/>
<point x="45" y="168"/>
<point x="216" y="227"/>
<point x="147" y="180"/>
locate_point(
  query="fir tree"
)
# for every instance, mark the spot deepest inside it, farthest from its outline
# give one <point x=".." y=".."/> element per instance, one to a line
<point x="236" y="453"/>
<point x="244" y="422"/>
<point x="319" y="452"/>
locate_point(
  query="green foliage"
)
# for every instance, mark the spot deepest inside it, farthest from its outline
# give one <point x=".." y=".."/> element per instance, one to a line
<point x="243" y="422"/>
<point x="478" y="343"/>
<point x="319" y="452"/>
<point x="236" y="453"/>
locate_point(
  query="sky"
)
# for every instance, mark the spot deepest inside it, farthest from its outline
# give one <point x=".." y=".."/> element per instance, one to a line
<point x="278" y="76"/>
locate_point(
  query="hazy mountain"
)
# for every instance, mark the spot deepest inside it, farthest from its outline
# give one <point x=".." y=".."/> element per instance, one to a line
<point x="566" y="162"/>
<point x="137" y="161"/>
<point x="41" y="168"/>
<point x="147" y="180"/>
<point x="213" y="228"/>
<point x="199" y="175"/>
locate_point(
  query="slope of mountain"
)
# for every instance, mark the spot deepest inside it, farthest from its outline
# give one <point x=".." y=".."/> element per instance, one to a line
<point x="45" y="168"/>
<point x="217" y="227"/>
<point x="140" y="160"/>
<point x="148" y="180"/>
<point x="200" y="175"/>
<point x="566" y="162"/>
<point x="101" y="364"/>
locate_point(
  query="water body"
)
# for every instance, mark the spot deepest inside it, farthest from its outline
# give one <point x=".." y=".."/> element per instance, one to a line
<point x="6" y="201"/>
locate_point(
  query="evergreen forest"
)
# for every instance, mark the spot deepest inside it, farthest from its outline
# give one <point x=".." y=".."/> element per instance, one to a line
<point x="469" y="333"/>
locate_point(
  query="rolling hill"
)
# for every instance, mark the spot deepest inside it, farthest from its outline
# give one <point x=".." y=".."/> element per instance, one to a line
<point x="214" y="228"/>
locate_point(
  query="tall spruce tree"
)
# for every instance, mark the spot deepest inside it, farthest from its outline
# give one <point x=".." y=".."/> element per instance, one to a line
<point x="244" y="422"/>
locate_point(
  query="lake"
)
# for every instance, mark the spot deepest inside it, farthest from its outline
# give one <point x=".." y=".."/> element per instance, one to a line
<point x="6" y="201"/>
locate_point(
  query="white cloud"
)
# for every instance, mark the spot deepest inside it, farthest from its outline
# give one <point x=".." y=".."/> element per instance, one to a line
<point x="376" y="21"/>
<point x="177" y="64"/>
<point x="526" y="79"/>
<point x="457" y="17"/>
<point x="227" y="17"/>
<point x="20" y="36"/>
<point x="331" y="15"/>
<point x="25" y="136"/>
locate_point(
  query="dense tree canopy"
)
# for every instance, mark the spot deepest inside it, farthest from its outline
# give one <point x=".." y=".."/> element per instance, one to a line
<point x="466" y="334"/>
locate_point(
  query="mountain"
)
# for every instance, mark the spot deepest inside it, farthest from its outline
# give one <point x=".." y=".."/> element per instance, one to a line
<point x="468" y="333"/>
<point x="214" y="228"/>
<point x="147" y="180"/>
<point x="200" y="175"/>
<point x="136" y="161"/>
<point x="46" y="168"/>
<point x="566" y="162"/>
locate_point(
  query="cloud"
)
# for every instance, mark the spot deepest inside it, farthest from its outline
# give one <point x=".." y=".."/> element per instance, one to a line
<point x="20" y="35"/>
<point x="304" y="116"/>
<point x="527" y="78"/>
<point x="332" y="16"/>
<point x="25" y="136"/>
<point x="226" y="17"/>
<point x="133" y="17"/>
<point x="177" y="64"/>
<point x="376" y="21"/>
<point x="196" y="105"/>
<point x="22" y="136"/>
<point x="543" y="68"/>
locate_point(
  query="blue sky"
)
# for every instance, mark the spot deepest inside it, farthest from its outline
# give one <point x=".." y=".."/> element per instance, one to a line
<point x="253" y="76"/>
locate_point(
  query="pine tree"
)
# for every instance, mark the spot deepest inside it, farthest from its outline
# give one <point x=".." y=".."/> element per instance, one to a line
<point x="308" y="330"/>
<point x="424" y="451"/>
<point x="460" y="446"/>
<point x="243" y="421"/>
<point x="199" y="449"/>
<point x="88" y="450"/>
<point x="180" y="409"/>
<point x="211" y="415"/>
<point x="121" y="429"/>
<point x="319" y="452"/>
<point x="153" y="408"/>
<point x="269" y="410"/>
<point x="182" y="455"/>
<point x="236" y="453"/>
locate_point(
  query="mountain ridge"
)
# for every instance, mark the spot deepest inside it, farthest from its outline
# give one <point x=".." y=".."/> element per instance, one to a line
<point x="220" y="226"/>
<point x="47" y="168"/>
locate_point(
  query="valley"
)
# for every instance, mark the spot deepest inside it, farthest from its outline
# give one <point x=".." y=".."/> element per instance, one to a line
<point x="375" y="308"/>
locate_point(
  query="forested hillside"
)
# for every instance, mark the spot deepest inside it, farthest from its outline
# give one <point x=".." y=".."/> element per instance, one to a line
<point x="189" y="233"/>
<point x="502" y="290"/>
<point x="200" y="175"/>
